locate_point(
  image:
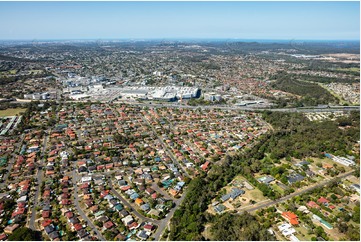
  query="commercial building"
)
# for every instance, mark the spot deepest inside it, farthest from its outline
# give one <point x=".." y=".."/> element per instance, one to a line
<point x="212" y="97"/>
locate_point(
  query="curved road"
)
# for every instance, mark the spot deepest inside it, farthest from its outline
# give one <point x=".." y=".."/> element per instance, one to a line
<point x="126" y="203"/>
<point x="170" y="154"/>
<point x="80" y="211"/>
<point x="160" y="223"/>
<point x="164" y="222"/>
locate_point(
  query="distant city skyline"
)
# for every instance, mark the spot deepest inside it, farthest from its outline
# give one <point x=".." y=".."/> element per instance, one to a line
<point x="180" y="20"/>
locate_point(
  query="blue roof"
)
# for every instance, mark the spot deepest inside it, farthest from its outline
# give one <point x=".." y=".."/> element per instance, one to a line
<point x="236" y="192"/>
<point x="134" y="196"/>
<point x="118" y="207"/>
<point x="145" y="207"/>
<point x="220" y="208"/>
<point x="225" y="197"/>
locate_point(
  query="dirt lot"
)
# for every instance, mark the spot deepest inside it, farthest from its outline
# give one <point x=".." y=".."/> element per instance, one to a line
<point x="344" y="56"/>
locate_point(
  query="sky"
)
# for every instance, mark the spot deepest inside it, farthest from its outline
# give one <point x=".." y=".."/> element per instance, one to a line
<point x="146" y="20"/>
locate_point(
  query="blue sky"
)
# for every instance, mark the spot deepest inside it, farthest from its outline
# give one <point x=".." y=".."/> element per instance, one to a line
<point x="122" y="20"/>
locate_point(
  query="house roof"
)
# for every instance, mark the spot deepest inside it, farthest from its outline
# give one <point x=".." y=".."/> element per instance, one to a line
<point x="138" y="201"/>
<point x="291" y="217"/>
<point x="46" y="222"/>
<point x="312" y="204"/>
<point x="322" y="200"/>
<point x="77" y="226"/>
<point x="295" y="178"/>
<point x="53" y="235"/>
<point x="108" y="224"/>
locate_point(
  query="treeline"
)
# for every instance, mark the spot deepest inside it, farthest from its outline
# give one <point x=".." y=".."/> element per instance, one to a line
<point x="295" y="136"/>
<point x="188" y="221"/>
<point x="244" y="227"/>
<point x="33" y="107"/>
<point x="312" y="94"/>
<point x="11" y="58"/>
<point x="325" y="79"/>
<point x="25" y="234"/>
<point x="10" y="79"/>
<point x="298" y="137"/>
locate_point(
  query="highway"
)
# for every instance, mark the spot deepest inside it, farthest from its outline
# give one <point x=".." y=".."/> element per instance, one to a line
<point x="285" y="198"/>
<point x="223" y="107"/>
<point x="245" y="108"/>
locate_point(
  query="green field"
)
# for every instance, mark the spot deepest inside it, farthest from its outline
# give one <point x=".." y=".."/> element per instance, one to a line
<point x="11" y="112"/>
<point x="35" y="71"/>
<point x="278" y="189"/>
<point x="353" y="69"/>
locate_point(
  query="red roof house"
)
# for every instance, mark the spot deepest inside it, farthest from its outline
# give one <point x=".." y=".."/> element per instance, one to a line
<point x="312" y="204"/>
<point x="290" y="217"/>
<point x="322" y="200"/>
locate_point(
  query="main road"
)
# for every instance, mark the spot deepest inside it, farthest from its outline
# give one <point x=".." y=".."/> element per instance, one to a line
<point x="224" y="107"/>
<point x="285" y="198"/>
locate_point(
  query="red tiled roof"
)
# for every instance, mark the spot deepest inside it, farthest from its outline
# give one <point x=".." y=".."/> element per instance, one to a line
<point x="291" y="217"/>
<point x="322" y="200"/>
<point x="77" y="226"/>
<point x="46" y="222"/>
<point x="69" y="214"/>
<point x="312" y="204"/>
<point x="108" y="225"/>
<point x="45" y="214"/>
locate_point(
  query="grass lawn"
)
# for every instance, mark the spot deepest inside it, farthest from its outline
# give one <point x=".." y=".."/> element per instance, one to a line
<point x="35" y="71"/>
<point x="331" y="162"/>
<point x="278" y="189"/>
<point x="302" y="233"/>
<point x="11" y="111"/>
<point x="318" y="178"/>
<point x="9" y="72"/>
<point x="255" y="195"/>
<point x="353" y="69"/>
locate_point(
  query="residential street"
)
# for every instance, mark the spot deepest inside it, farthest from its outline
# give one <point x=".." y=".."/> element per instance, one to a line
<point x="39" y="177"/>
<point x="310" y="188"/>
<point x="164" y="222"/>
<point x="80" y="211"/>
<point x="160" y="223"/>
<point x="170" y="154"/>
<point x="126" y="203"/>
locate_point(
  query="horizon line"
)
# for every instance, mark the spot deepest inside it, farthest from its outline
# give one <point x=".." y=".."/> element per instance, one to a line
<point x="174" y="38"/>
